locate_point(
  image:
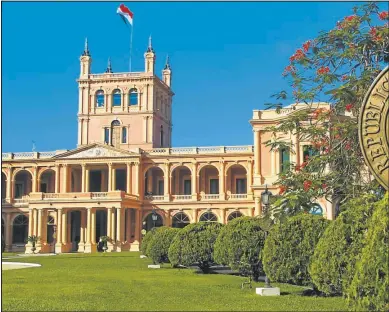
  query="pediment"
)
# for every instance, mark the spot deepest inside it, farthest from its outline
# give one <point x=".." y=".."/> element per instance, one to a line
<point x="96" y="151"/>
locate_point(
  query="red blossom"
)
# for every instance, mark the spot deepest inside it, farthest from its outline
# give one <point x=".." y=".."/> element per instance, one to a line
<point x="323" y="70"/>
<point x="349" y="107"/>
<point x="297" y="56"/>
<point x="383" y="15"/>
<point x="344" y="77"/>
<point x="347" y="146"/>
<point x="307" y="185"/>
<point x="350" y="18"/>
<point x="373" y="33"/>
<point x="324" y="186"/>
<point x="306" y="157"/>
<point x="304" y="164"/>
<point x="282" y="189"/>
<point x="307" y="45"/>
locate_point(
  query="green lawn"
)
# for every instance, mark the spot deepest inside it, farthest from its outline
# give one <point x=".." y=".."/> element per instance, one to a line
<point x="122" y="281"/>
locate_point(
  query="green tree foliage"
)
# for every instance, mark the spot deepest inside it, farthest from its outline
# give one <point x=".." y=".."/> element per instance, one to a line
<point x="369" y="289"/>
<point x="332" y="266"/>
<point x="195" y="244"/>
<point x="239" y="245"/>
<point x="289" y="247"/>
<point x="158" y="246"/>
<point x="337" y="67"/>
<point x="146" y="240"/>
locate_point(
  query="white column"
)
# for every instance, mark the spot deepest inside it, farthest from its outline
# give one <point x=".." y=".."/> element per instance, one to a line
<point x="257" y="157"/>
<point x="166" y="183"/>
<point x="83" y="178"/>
<point x="249" y="176"/>
<point x="113" y="232"/>
<point x="30" y="222"/>
<point x="222" y="178"/>
<point x="59" y="227"/>
<point x="39" y="234"/>
<point x="129" y="178"/>
<point x="89" y="226"/>
<point x="194" y="181"/>
<point x="64" y="226"/>
<point x="57" y="179"/>
<point x="119" y="236"/>
<point x="109" y="222"/>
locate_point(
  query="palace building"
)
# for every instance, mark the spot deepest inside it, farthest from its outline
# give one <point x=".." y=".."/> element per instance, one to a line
<point x="124" y="170"/>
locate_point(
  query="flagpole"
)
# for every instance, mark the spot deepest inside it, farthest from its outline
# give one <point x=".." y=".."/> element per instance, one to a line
<point x="132" y="29"/>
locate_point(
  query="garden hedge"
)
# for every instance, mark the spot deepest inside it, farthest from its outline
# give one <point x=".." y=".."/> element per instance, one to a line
<point x="289" y="247"/>
<point x="158" y="246"/>
<point x="194" y="244"/>
<point x="369" y="289"/>
<point x="240" y="244"/>
<point x="146" y="240"/>
<point x="332" y="265"/>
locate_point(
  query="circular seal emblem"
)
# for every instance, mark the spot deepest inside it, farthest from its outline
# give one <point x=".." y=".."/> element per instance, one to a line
<point x="374" y="128"/>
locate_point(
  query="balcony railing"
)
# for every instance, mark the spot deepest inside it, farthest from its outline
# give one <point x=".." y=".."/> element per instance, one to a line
<point x="99" y="194"/>
<point x="210" y="196"/>
<point x="237" y="196"/>
<point x="154" y="197"/>
<point x="181" y="197"/>
<point x="201" y="150"/>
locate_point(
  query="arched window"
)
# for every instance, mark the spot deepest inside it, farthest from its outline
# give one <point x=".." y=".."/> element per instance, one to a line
<point x="20" y="229"/>
<point x="235" y="214"/>
<point x="208" y="217"/>
<point x="133" y="97"/>
<point x="116" y="97"/>
<point x="180" y="220"/>
<point x="161" y="136"/>
<point x="124" y="135"/>
<point x="100" y="98"/>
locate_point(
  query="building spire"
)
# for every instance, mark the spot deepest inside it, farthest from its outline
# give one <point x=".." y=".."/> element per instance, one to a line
<point x="150" y="47"/>
<point x="86" y="50"/>
<point x="109" y="68"/>
<point x="167" y="65"/>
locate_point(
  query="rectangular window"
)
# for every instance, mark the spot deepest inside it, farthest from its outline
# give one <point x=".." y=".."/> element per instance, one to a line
<point x="124" y="135"/>
<point x="19" y="190"/>
<point x="309" y="151"/>
<point x="284" y="159"/>
<point x="214" y="186"/>
<point x="100" y="100"/>
<point x="241" y="185"/>
<point x="106" y="135"/>
<point x="160" y="187"/>
<point x="187" y="187"/>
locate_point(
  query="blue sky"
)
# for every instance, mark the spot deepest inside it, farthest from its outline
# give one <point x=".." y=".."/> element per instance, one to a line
<point x="227" y="59"/>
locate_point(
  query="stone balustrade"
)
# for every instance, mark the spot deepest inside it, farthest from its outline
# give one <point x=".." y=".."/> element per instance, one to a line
<point x="244" y="149"/>
<point x="118" y="75"/>
<point x="181" y="197"/>
<point x="210" y="196"/>
<point x="28" y="155"/>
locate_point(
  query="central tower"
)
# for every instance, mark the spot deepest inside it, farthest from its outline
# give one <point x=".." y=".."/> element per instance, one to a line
<point x="125" y="110"/>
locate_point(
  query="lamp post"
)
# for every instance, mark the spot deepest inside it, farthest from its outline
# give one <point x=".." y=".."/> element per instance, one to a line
<point x="265" y="198"/>
<point x="154" y="216"/>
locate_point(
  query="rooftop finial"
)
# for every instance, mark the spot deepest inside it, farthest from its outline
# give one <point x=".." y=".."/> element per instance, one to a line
<point x="150" y="47"/>
<point x="86" y="50"/>
<point x="109" y="68"/>
<point x="167" y="65"/>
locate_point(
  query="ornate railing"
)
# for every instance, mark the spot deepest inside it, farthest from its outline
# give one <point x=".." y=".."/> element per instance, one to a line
<point x="201" y="150"/>
<point x="182" y="197"/>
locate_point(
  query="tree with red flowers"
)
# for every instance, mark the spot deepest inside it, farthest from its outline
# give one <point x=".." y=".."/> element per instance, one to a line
<point x="337" y="67"/>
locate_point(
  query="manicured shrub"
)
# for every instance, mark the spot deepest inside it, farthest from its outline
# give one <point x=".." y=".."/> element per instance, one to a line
<point x="369" y="289"/>
<point x="194" y="245"/>
<point x="146" y="240"/>
<point x="239" y="245"/>
<point x="158" y="246"/>
<point x="289" y="247"/>
<point x="332" y="265"/>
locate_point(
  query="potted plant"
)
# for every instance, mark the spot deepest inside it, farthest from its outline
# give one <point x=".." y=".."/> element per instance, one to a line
<point x="33" y="239"/>
<point x="105" y="240"/>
